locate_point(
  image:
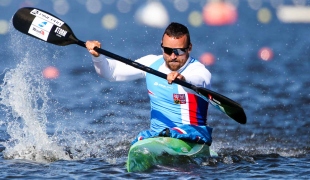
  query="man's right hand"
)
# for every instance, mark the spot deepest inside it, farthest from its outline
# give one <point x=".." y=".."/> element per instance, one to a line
<point x="173" y="75"/>
<point x="90" y="45"/>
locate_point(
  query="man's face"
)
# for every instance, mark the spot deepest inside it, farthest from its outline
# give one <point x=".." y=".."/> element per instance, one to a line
<point x="174" y="61"/>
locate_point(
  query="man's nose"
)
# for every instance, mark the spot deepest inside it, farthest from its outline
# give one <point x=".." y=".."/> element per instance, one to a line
<point x="173" y="55"/>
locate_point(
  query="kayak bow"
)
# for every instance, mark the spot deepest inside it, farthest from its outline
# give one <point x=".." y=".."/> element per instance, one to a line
<point x="149" y="152"/>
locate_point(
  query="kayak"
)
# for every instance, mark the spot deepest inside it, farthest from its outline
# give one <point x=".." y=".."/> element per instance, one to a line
<point x="147" y="153"/>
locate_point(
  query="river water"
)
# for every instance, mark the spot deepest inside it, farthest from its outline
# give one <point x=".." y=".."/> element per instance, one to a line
<point x="80" y="126"/>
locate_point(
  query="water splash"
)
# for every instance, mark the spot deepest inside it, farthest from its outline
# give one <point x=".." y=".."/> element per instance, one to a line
<point x="23" y="98"/>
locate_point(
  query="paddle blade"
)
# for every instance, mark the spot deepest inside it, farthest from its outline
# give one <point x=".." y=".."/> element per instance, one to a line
<point x="224" y="104"/>
<point x="44" y="26"/>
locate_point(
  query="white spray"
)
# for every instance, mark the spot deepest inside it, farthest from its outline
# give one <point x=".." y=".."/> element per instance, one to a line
<point x="23" y="98"/>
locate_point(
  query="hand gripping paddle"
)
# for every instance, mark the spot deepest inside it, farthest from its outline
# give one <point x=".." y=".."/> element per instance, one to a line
<point x="46" y="27"/>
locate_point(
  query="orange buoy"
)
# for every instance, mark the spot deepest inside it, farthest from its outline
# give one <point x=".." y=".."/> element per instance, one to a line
<point x="50" y="72"/>
<point x="207" y="59"/>
<point x="265" y="54"/>
<point x="219" y="13"/>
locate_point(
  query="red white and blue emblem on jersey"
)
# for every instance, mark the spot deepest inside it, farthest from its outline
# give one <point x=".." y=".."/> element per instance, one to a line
<point x="179" y="99"/>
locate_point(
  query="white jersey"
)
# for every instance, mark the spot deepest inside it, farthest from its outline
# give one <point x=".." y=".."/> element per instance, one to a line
<point x="172" y="105"/>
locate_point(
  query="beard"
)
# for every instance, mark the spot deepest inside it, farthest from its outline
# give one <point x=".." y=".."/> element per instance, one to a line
<point x="175" y="64"/>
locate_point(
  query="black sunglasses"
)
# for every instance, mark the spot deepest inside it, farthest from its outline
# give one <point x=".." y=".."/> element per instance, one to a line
<point x="176" y="51"/>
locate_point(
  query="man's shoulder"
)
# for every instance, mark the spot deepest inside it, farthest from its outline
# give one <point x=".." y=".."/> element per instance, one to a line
<point x="194" y="63"/>
<point x="149" y="59"/>
<point x="196" y="67"/>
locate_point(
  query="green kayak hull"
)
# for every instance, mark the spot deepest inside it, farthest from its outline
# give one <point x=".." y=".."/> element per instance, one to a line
<point x="149" y="152"/>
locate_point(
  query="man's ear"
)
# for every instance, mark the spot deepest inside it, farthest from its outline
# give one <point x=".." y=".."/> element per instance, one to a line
<point x="190" y="47"/>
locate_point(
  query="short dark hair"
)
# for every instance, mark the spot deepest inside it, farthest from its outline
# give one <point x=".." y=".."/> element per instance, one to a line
<point x="177" y="30"/>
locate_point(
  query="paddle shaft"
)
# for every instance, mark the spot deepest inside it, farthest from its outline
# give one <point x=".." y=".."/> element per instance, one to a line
<point x="226" y="105"/>
<point x="138" y="65"/>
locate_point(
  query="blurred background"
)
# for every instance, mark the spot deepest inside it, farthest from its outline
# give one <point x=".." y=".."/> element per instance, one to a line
<point x="133" y="20"/>
<point x="257" y="52"/>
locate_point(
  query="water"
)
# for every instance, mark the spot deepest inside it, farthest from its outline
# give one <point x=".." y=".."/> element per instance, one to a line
<point x="80" y="126"/>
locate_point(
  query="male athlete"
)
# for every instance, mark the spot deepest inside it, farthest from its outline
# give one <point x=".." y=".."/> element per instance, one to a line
<point x="176" y="111"/>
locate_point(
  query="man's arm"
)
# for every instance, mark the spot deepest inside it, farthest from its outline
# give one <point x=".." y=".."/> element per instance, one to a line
<point x="114" y="70"/>
<point x="198" y="75"/>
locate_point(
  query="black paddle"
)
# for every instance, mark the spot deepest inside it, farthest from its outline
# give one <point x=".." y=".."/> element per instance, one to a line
<point x="44" y="26"/>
